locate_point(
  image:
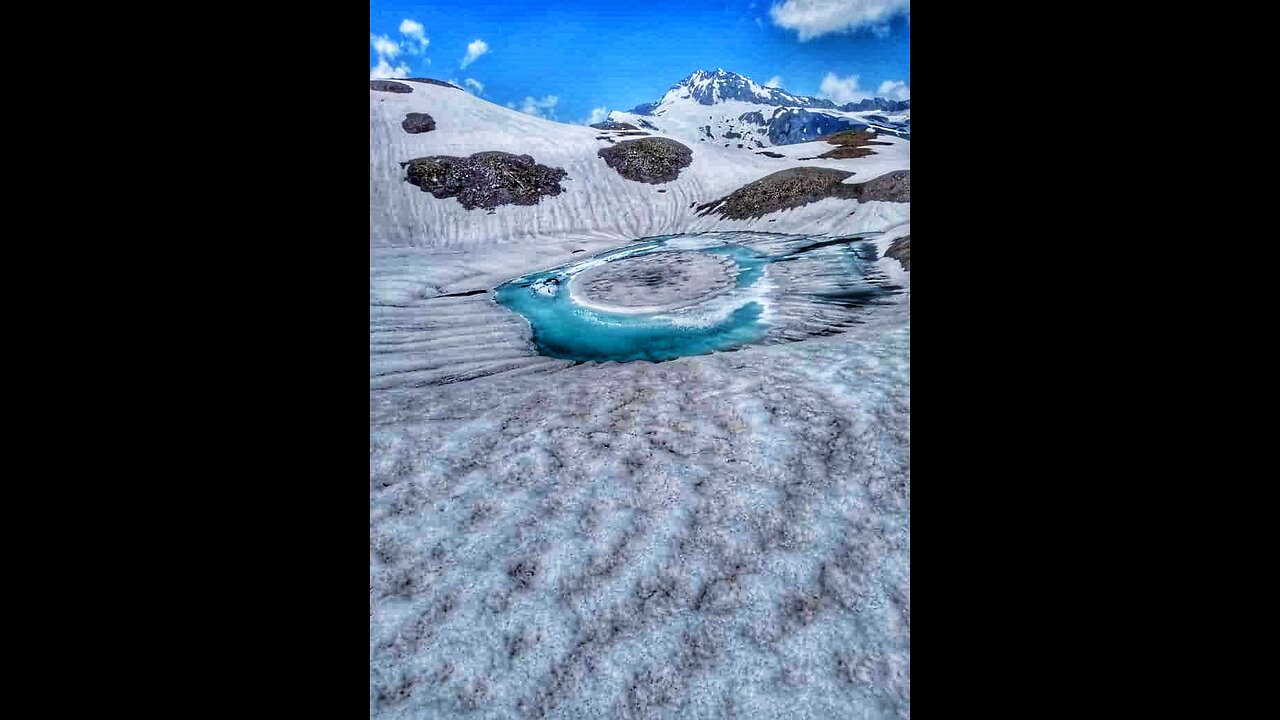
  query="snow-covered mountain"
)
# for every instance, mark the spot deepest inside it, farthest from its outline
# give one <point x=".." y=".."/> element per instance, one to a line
<point x="707" y="87"/>
<point x="735" y="111"/>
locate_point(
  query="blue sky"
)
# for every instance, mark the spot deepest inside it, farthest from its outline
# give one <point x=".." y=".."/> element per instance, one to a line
<point x="569" y="58"/>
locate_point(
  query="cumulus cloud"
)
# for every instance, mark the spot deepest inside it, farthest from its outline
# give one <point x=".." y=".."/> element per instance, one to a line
<point x="815" y="18"/>
<point x="543" y="108"/>
<point x="416" y="34"/>
<point x="774" y="82"/>
<point x="387" y="50"/>
<point x="384" y="70"/>
<point x="474" y="51"/>
<point x="841" y="90"/>
<point x="894" y="90"/>
<point x="475" y="85"/>
<point x="384" y="46"/>
<point x="597" y="115"/>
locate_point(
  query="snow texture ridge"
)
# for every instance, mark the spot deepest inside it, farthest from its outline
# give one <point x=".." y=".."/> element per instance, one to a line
<point x="717" y="536"/>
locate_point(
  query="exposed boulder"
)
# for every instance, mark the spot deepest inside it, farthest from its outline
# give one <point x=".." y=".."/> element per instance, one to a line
<point x="415" y="123"/>
<point x="389" y="86"/>
<point x="485" y="179"/>
<point x="795" y="187"/>
<point x="648" y="160"/>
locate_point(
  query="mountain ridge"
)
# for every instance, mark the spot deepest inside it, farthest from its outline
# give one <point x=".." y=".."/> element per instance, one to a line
<point x="709" y="87"/>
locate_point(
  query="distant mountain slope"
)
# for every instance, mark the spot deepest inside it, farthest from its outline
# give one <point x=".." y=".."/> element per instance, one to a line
<point x="731" y="109"/>
<point x="707" y="87"/>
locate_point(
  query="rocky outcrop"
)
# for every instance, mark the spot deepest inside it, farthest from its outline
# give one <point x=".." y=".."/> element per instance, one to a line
<point x="795" y="187"/>
<point x="850" y="144"/>
<point x="389" y="86"/>
<point x="648" y="160"/>
<point x="433" y="81"/>
<point x="485" y="179"/>
<point x="877" y="104"/>
<point x="890" y="187"/>
<point x="782" y="190"/>
<point x="901" y="251"/>
<point x="755" y="117"/>
<point x="415" y="123"/>
<point x="787" y="127"/>
<point x="613" y="125"/>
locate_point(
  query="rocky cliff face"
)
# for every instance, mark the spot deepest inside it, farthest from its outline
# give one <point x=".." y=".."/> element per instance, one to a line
<point x="796" y="126"/>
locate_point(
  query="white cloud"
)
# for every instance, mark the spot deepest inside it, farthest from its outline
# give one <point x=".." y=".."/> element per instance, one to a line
<point x="474" y="51"/>
<point x="841" y="90"/>
<point x="476" y="84"/>
<point x="598" y="115"/>
<point x="387" y="50"/>
<point x="814" y="18"/>
<point x="384" y="46"/>
<point x="384" y="70"/>
<point x="894" y="90"/>
<point x="544" y="108"/>
<point x="413" y="30"/>
<point x="774" y="82"/>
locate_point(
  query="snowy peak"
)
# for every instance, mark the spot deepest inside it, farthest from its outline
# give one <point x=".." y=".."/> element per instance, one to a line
<point x="708" y="87"/>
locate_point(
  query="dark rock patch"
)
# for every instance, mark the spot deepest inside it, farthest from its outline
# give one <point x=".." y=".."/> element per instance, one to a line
<point x="433" y="81"/>
<point x="901" y="250"/>
<point x="794" y="187"/>
<point x="662" y="190"/>
<point x="890" y="187"/>
<point x="389" y="86"/>
<point x="851" y="144"/>
<point x="754" y="117"/>
<point x="769" y="153"/>
<point x="630" y="132"/>
<point x="485" y="179"/>
<point x="648" y="160"/>
<point x="606" y="138"/>
<point x="415" y="123"/>
<point x="647" y="125"/>
<point x="733" y="135"/>
<point x="612" y="125"/>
